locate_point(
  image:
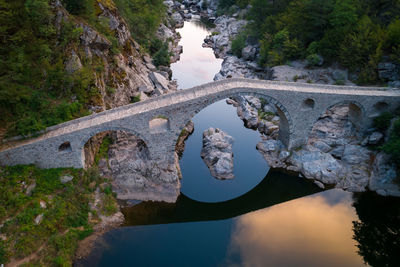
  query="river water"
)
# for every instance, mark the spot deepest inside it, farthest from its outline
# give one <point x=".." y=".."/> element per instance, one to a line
<point x="261" y="218"/>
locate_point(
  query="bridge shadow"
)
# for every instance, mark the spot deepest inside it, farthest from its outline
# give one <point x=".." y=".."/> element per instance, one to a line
<point x="276" y="188"/>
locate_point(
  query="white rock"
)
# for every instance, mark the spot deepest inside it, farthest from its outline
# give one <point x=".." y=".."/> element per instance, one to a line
<point x="66" y="178"/>
<point x="375" y="138"/>
<point x="42" y="204"/>
<point x="39" y="218"/>
<point x="217" y="153"/>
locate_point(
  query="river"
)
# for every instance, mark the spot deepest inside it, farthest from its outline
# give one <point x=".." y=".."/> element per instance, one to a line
<point x="261" y="218"/>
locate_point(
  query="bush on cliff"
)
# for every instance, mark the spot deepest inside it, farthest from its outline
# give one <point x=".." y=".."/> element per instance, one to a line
<point x="143" y="18"/>
<point x="238" y="44"/>
<point x="392" y="146"/>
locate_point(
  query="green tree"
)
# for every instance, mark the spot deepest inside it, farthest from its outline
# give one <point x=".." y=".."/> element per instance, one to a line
<point x="362" y="50"/>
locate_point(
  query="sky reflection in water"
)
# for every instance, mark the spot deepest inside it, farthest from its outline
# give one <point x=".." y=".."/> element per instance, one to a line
<point x="198" y="65"/>
<point x="310" y="231"/>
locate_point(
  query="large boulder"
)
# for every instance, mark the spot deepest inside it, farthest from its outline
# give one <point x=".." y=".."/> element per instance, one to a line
<point x="317" y="165"/>
<point x="217" y="153"/>
<point x="384" y="176"/>
<point x="74" y="63"/>
<point x="249" y="52"/>
<point x="388" y="71"/>
<point x="159" y="81"/>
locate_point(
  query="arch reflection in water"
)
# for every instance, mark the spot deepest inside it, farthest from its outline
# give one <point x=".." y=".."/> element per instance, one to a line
<point x="249" y="166"/>
<point x="315" y="230"/>
<point x="274" y="189"/>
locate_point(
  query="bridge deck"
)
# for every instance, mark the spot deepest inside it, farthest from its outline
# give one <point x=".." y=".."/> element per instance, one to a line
<point x="197" y="92"/>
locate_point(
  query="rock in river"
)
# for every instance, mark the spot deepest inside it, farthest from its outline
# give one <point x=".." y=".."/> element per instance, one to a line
<point x="217" y="153"/>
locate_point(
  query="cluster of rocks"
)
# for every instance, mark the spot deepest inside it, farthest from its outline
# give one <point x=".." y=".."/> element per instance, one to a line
<point x="217" y="153"/>
<point x="257" y="114"/>
<point x="299" y="72"/>
<point x="226" y="28"/>
<point x="335" y="155"/>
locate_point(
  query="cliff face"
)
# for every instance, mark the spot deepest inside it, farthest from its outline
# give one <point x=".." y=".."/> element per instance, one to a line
<point x="122" y="75"/>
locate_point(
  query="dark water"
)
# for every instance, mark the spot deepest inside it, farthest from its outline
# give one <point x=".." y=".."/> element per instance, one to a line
<point x="283" y="221"/>
<point x="263" y="218"/>
<point x="249" y="165"/>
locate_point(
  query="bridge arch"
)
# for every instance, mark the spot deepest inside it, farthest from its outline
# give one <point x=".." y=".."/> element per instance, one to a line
<point x="89" y="135"/>
<point x="286" y="126"/>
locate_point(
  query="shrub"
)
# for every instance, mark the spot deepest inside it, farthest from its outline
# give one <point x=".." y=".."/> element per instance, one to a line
<point x="275" y="58"/>
<point x="238" y="44"/>
<point x="135" y="99"/>
<point x="162" y="56"/>
<point x="204" y="4"/>
<point x="292" y="49"/>
<point x="393" y="34"/>
<point x="312" y="48"/>
<point x="382" y="122"/>
<point x="143" y="17"/>
<point x="155" y="46"/>
<point x="314" y="60"/>
<point x="392" y="147"/>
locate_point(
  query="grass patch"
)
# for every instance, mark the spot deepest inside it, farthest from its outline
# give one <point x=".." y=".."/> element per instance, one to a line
<point x="103" y="150"/>
<point x="65" y="214"/>
<point x="135" y="99"/>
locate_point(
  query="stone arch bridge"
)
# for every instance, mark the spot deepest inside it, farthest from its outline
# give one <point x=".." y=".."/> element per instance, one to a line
<point x="159" y="121"/>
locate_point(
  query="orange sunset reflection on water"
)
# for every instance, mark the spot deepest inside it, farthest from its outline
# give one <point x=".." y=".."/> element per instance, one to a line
<point x="309" y="231"/>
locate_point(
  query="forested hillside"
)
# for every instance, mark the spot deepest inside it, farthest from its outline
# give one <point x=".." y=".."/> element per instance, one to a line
<point x="39" y="84"/>
<point x="358" y="34"/>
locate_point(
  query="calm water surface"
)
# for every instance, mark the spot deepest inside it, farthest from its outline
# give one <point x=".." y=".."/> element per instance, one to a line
<point x="257" y="219"/>
<point x="197" y="65"/>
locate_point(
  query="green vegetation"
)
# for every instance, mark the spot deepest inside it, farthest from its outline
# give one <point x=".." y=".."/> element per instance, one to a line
<point x="34" y="86"/>
<point x="64" y="207"/>
<point x="36" y="91"/>
<point x="392" y="146"/>
<point x="103" y="150"/>
<point x="355" y="33"/>
<point x="230" y="6"/>
<point x="162" y="56"/>
<point x="238" y="44"/>
<point x="135" y="99"/>
<point x="143" y="18"/>
<point x="382" y="122"/>
<point x="265" y="115"/>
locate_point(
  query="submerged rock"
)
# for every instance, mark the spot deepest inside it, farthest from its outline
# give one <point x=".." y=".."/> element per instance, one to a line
<point x="217" y="153"/>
